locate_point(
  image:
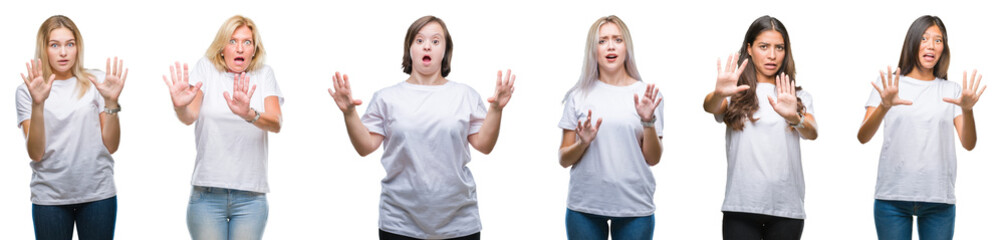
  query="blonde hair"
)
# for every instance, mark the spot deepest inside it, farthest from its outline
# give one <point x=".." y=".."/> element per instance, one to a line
<point x="223" y="38"/>
<point x="41" y="52"/>
<point x="590" y="68"/>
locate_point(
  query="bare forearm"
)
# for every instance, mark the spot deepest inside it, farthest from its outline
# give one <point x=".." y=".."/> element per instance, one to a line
<point x="571" y="154"/>
<point x="36" y="133"/>
<point x="110" y="132"/>
<point x="268" y="121"/>
<point x="968" y="134"/>
<point x="359" y="135"/>
<point x="808" y="129"/>
<point x="713" y="103"/>
<point x="186" y="114"/>
<point x="871" y="124"/>
<point x="651" y="146"/>
<point x="489" y="133"/>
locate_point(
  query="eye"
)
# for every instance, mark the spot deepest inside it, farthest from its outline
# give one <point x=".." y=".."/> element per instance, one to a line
<point x="70" y="44"/>
<point x="619" y="40"/>
<point x="923" y="38"/>
<point x="435" y="41"/>
<point x="233" y="41"/>
<point x="602" y="41"/>
<point x="937" y="40"/>
<point x="763" y="46"/>
<point x="54" y="45"/>
<point x="779" y="47"/>
<point x="247" y="42"/>
<point x="419" y="40"/>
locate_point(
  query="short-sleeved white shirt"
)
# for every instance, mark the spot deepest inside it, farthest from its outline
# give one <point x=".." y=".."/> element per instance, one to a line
<point x="917" y="162"/>
<point x="76" y="166"/>
<point x="428" y="192"/>
<point x="612" y="178"/>
<point x="231" y="153"/>
<point x="765" y="161"/>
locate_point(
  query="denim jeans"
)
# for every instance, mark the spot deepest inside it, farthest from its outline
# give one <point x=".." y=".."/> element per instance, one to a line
<point x="95" y="220"/>
<point x="219" y="213"/>
<point x="894" y="220"/>
<point x="384" y="235"/>
<point x="584" y="226"/>
<point x="752" y="226"/>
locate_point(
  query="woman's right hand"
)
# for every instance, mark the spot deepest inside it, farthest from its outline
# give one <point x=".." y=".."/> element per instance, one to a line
<point x="342" y="93"/>
<point x="587" y="132"/>
<point x="37" y="86"/>
<point x="890" y="88"/>
<point x="728" y="78"/>
<point x="182" y="93"/>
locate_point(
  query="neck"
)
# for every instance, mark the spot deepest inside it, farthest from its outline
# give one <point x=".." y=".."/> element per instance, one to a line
<point x="63" y="75"/>
<point x="422" y="79"/>
<point x="616" y="78"/>
<point x="761" y="78"/>
<point x="920" y="73"/>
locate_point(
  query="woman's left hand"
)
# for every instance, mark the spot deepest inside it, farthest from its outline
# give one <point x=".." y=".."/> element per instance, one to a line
<point x="786" y="103"/>
<point x="503" y="90"/>
<point x="115" y="78"/>
<point x="969" y="96"/>
<point x="647" y="104"/>
<point x="240" y="103"/>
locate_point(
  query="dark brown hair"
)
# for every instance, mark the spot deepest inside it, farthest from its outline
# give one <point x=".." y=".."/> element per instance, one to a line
<point x="744" y="104"/>
<point x="410" y="37"/>
<point x="909" y="57"/>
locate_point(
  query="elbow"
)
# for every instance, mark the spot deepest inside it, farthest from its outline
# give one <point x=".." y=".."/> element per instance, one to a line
<point x="969" y="147"/>
<point x="862" y="138"/>
<point x="35" y="158"/>
<point x="485" y="151"/>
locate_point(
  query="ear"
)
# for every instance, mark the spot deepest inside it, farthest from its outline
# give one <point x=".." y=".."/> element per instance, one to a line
<point x="749" y="50"/>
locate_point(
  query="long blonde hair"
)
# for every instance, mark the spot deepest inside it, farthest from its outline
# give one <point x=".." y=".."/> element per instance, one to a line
<point x="223" y="37"/>
<point x="590" y="68"/>
<point x="41" y="52"/>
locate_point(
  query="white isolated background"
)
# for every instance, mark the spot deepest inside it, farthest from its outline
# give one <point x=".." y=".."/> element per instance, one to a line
<point x="321" y="189"/>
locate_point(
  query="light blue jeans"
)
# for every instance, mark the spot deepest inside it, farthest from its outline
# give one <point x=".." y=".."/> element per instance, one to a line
<point x="894" y="220"/>
<point x="585" y="226"/>
<point x="219" y="213"/>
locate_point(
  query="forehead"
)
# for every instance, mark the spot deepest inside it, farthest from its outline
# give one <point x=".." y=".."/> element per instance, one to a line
<point x="60" y="34"/>
<point x="431" y="28"/>
<point x="609" y="28"/>
<point x="933" y="30"/>
<point x="770" y="36"/>
<point x="242" y="32"/>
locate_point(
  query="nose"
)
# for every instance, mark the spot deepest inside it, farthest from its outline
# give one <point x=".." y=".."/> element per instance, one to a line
<point x="62" y="51"/>
<point x="427" y="45"/>
<point x="611" y="46"/>
<point x="929" y="45"/>
<point x="772" y="54"/>
<point x="240" y="48"/>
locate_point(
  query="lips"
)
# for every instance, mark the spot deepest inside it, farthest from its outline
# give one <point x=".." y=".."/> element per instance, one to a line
<point x="239" y="61"/>
<point x="929" y="56"/>
<point x="63" y="61"/>
<point x="426" y="59"/>
<point x="611" y="57"/>
<point x="770" y="66"/>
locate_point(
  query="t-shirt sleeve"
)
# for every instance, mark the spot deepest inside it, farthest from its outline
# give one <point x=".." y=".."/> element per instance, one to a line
<point x="720" y="118"/>
<point x="873" y="98"/>
<point x="22" y="100"/>
<point x="269" y="86"/>
<point x="373" y="119"/>
<point x="956" y="110"/>
<point x="569" y="119"/>
<point x="807" y="101"/>
<point x="99" y="76"/>
<point x="203" y="68"/>
<point x="478" y="112"/>
<point x="659" y="119"/>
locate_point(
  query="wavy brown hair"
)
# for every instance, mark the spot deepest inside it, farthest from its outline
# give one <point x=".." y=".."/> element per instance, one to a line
<point x="744" y="104"/>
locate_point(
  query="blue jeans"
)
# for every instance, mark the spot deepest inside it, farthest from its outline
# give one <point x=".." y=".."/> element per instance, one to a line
<point x="219" y="213"/>
<point x="584" y="226"/>
<point x="894" y="220"/>
<point x="95" y="220"/>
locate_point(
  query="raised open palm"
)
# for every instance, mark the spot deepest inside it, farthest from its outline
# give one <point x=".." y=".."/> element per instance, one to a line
<point x="890" y="88"/>
<point x="503" y="90"/>
<point x="240" y="103"/>
<point x="728" y="78"/>
<point x="115" y="79"/>
<point x="786" y="104"/>
<point x="647" y="104"/>
<point x="342" y="93"/>
<point x="182" y="93"/>
<point x="969" y="96"/>
<point x="587" y="132"/>
<point x="38" y="88"/>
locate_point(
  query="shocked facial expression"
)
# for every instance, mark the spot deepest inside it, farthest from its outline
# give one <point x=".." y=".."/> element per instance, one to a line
<point x="62" y="51"/>
<point x="932" y="43"/>
<point x="611" y="49"/>
<point x="768" y="52"/>
<point x="239" y="50"/>
<point x="428" y="49"/>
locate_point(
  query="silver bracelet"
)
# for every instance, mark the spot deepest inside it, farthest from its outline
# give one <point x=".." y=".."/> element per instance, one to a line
<point x="650" y="123"/>
<point x="256" y="116"/>
<point x="113" y="111"/>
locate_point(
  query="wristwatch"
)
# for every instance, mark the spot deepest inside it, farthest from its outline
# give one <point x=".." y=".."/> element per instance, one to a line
<point x="113" y="111"/>
<point x="650" y="123"/>
<point x="256" y="116"/>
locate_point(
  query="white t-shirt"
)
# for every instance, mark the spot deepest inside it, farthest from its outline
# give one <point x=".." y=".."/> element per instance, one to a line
<point x="428" y="192"/>
<point x="76" y="166"/>
<point x="231" y="153"/>
<point x="765" y="161"/>
<point x="612" y="178"/>
<point x="918" y="150"/>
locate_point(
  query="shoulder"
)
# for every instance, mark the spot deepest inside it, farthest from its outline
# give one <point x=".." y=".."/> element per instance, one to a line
<point x="263" y="69"/>
<point x="98" y="75"/>
<point x="803" y="94"/>
<point x="949" y="84"/>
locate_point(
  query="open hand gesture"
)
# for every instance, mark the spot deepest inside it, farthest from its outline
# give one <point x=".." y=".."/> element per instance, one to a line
<point x="115" y="79"/>
<point x="890" y="88"/>
<point x="647" y="104"/>
<point x="182" y="93"/>
<point x="37" y="86"/>
<point x="587" y="131"/>
<point x="342" y="93"/>
<point x="240" y="103"/>
<point x="503" y="90"/>
<point x="729" y="77"/>
<point x="969" y="96"/>
<point x="786" y="104"/>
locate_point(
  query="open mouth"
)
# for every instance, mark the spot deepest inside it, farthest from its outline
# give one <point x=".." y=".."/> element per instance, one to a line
<point x="770" y="66"/>
<point x="63" y="61"/>
<point x="426" y="59"/>
<point x="239" y="60"/>
<point x="611" y="57"/>
<point x="929" y="56"/>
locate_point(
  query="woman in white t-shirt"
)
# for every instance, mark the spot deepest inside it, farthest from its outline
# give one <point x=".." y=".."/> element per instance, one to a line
<point x="610" y="176"/>
<point x="234" y="104"/>
<point x="69" y="116"/>
<point x="426" y="124"/>
<point x="917" y="166"/>
<point x="765" y="190"/>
